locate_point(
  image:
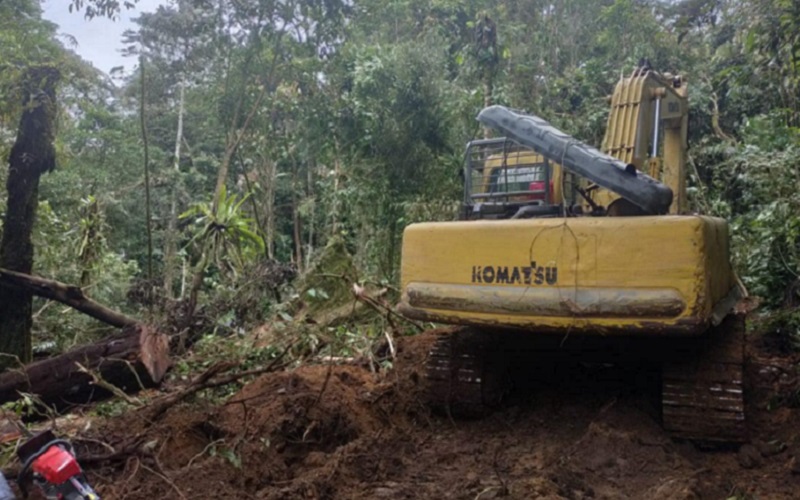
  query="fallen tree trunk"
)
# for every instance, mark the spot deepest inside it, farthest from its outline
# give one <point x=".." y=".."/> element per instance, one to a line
<point x="70" y="295"/>
<point x="132" y="360"/>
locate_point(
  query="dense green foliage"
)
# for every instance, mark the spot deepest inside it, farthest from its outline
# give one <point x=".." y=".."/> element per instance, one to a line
<point x="303" y="120"/>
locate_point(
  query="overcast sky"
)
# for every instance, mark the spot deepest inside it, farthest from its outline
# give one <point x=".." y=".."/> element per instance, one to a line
<point x="99" y="40"/>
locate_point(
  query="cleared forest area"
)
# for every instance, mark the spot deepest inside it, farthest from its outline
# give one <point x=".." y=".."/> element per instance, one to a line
<point x="200" y="256"/>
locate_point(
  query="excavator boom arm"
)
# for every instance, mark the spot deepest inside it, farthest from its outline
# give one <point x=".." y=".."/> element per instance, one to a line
<point x="647" y="127"/>
<point x="604" y="170"/>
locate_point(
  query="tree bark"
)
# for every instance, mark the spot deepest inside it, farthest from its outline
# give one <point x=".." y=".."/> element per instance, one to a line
<point x="297" y="230"/>
<point x="715" y="126"/>
<point x="269" y="176"/>
<point x="132" y="360"/>
<point x="171" y="243"/>
<point x="90" y="248"/>
<point x="146" y="159"/>
<point x="261" y="230"/>
<point x="310" y="194"/>
<point x="234" y="138"/>
<point x="486" y="50"/>
<point x="337" y="172"/>
<point x="194" y="288"/>
<point x="17" y="284"/>
<point x="32" y="155"/>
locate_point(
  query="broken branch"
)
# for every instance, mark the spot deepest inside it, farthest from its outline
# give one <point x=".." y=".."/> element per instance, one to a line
<point x="204" y="381"/>
<point x="70" y="295"/>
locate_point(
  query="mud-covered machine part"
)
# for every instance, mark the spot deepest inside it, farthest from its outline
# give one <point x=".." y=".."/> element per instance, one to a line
<point x="464" y="371"/>
<point x="702" y="385"/>
<point x="702" y="390"/>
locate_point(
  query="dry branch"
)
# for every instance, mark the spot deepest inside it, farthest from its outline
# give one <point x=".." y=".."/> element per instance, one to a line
<point x="207" y="380"/>
<point x="380" y="305"/>
<point x="70" y="295"/>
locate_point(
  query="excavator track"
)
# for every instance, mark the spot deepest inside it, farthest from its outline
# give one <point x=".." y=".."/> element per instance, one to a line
<point x="703" y="389"/>
<point x="464" y="373"/>
<point x="467" y="375"/>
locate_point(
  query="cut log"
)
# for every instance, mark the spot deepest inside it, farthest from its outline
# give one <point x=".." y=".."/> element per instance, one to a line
<point x="136" y="358"/>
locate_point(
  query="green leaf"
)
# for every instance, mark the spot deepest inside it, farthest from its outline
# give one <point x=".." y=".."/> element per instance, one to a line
<point x="750" y="41"/>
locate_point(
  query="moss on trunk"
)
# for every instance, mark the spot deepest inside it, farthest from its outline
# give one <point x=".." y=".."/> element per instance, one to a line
<point x="32" y="155"/>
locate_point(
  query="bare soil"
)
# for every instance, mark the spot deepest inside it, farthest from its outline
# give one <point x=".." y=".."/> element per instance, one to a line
<point x="342" y="431"/>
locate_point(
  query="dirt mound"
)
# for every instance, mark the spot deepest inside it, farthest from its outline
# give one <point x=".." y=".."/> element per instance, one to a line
<point x="296" y="418"/>
<point x="344" y="432"/>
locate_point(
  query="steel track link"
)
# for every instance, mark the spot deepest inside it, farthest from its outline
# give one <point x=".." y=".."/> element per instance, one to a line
<point x="703" y="389"/>
<point x="464" y="373"/>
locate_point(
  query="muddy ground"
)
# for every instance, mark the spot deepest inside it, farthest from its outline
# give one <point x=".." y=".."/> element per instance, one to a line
<point x="344" y="432"/>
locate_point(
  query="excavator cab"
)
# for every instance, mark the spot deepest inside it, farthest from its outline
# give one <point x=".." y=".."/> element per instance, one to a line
<point x="505" y="180"/>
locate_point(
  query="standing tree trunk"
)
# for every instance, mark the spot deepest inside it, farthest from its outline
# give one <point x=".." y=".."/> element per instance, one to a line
<point x="32" y="155"/>
<point x="269" y="176"/>
<point x="91" y="241"/>
<point x="485" y="49"/>
<point x="171" y="245"/>
<point x="337" y="173"/>
<point x="297" y="230"/>
<point x="148" y="218"/>
<point x="310" y="195"/>
<point x="234" y="138"/>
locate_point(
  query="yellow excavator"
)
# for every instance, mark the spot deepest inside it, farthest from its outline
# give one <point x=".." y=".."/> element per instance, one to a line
<point x="561" y="241"/>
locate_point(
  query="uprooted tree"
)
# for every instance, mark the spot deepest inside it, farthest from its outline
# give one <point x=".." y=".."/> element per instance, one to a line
<point x="32" y="155"/>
